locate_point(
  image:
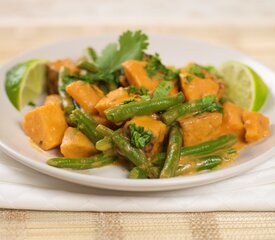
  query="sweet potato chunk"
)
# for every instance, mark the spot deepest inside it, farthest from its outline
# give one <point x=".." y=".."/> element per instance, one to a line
<point x="195" y="87"/>
<point x="45" y="125"/>
<point x="76" y="144"/>
<point x="137" y="76"/>
<point x="200" y="128"/>
<point x="53" y="99"/>
<point x="53" y="71"/>
<point x="112" y="99"/>
<point x="158" y="128"/>
<point x="232" y="119"/>
<point x="256" y="126"/>
<point x="85" y="95"/>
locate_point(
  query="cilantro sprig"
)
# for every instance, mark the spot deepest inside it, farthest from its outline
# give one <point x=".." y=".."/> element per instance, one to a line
<point x="156" y="69"/>
<point x="138" y="136"/>
<point x="196" y="70"/>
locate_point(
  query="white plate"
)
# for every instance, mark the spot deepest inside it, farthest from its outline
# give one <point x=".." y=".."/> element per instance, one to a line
<point x="173" y="50"/>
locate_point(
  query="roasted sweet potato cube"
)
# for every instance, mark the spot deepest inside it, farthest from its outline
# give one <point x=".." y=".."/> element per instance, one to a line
<point x="158" y="128"/>
<point x="76" y="144"/>
<point x="232" y="119"/>
<point x="256" y="126"/>
<point x="86" y="95"/>
<point x="45" y="125"/>
<point x="195" y="87"/>
<point x="136" y="74"/>
<point x="200" y="128"/>
<point x="112" y="99"/>
<point x="53" y="99"/>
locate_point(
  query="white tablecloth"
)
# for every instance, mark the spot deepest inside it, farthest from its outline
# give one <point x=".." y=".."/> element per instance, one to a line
<point x="24" y="188"/>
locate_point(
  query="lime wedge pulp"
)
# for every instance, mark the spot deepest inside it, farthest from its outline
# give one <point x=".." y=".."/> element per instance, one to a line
<point x="25" y="82"/>
<point x="243" y="85"/>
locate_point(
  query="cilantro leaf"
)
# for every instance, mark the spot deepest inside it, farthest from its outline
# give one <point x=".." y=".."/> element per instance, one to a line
<point x="189" y="78"/>
<point x="156" y="69"/>
<point x="131" y="46"/>
<point x="138" y="136"/>
<point x="196" y="70"/>
<point x="163" y="89"/>
<point x="135" y="90"/>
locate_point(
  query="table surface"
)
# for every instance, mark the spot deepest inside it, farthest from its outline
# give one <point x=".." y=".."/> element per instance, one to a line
<point x="256" y="40"/>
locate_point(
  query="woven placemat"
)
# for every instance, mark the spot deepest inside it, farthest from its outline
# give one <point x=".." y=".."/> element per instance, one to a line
<point x="15" y="224"/>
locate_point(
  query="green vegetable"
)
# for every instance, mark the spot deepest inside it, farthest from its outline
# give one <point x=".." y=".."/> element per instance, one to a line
<point x="196" y="70"/>
<point x="222" y="143"/>
<point x="162" y="90"/>
<point x="86" y="124"/>
<point x="123" y="112"/>
<point x="135" y="90"/>
<point x="137" y="173"/>
<point x="124" y="147"/>
<point x="104" y="144"/>
<point x="189" y="78"/>
<point x="173" y="153"/>
<point x="138" y="136"/>
<point x="66" y="99"/>
<point x="156" y="69"/>
<point x="95" y="161"/>
<point x="90" y="67"/>
<point x="206" y="163"/>
<point x="198" y="106"/>
<point x="91" y="55"/>
<point x="131" y="46"/>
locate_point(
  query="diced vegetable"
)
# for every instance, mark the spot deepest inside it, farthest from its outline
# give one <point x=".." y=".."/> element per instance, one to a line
<point x="53" y="99"/>
<point x="112" y="99"/>
<point x="195" y="84"/>
<point x="76" y="144"/>
<point x="45" y="125"/>
<point x="198" y="129"/>
<point x="86" y="95"/>
<point x="156" y="127"/>
<point x="256" y="126"/>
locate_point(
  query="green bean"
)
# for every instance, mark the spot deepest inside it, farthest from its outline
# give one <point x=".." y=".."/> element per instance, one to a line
<point x="208" y="162"/>
<point x="205" y="163"/>
<point x="105" y="131"/>
<point x="205" y="104"/>
<point x="221" y="143"/>
<point x="90" y="67"/>
<point x="137" y="173"/>
<point x="173" y="153"/>
<point x="91" y="54"/>
<point x="123" y="112"/>
<point x="104" y="144"/>
<point x="86" y="124"/>
<point x="95" y="161"/>
<point x="66" y="100"/>
<point x="124" y="147"/>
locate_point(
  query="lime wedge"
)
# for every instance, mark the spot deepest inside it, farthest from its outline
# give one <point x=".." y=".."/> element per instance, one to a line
<point x="243" y="85"/>
<point x="25" y="82"/>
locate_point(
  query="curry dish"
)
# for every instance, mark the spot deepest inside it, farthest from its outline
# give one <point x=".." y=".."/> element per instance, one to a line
<point x="160" y="120"/>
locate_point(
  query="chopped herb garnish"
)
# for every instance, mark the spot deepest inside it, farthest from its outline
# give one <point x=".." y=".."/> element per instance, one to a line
<point x="138" y="136"/>
<point x="156" y="69"/>
<point x="135" y="90"/>
<point x="163" y="89"/>
<point x="128" y="101"/>
<point x="32" y="104"/>
<point x="196" y="70"/>
<point x="189" y="78"/>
